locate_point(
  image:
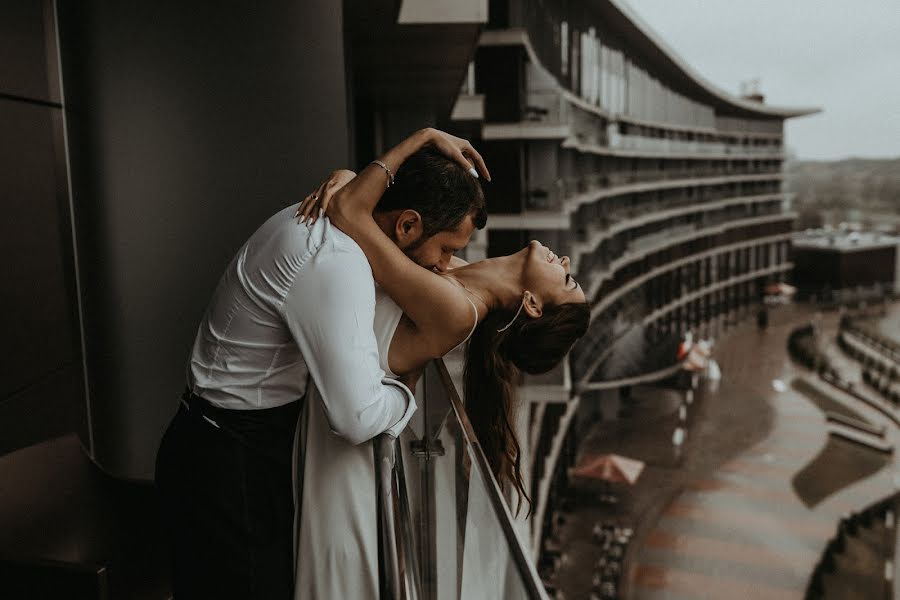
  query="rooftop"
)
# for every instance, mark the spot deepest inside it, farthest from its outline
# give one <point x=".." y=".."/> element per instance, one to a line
<point x="843" y="240"/>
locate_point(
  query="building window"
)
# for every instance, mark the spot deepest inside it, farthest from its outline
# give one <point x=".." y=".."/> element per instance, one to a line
<point x="576" y="58"/>
<point x="591" y="66"/>
<point x="585" y="70"/>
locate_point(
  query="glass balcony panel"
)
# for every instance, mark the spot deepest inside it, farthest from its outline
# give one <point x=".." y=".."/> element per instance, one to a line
<point x="453" y="535"/>
<point x="487" y="567"/>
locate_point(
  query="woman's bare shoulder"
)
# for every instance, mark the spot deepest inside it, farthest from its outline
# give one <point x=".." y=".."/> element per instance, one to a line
<point x="414" y="345"/>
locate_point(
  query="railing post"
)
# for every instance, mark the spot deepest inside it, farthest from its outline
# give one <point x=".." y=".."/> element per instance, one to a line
<point x="427" y="502"/>
<point x="389" y="564"/>
<point x="399" y="573"/>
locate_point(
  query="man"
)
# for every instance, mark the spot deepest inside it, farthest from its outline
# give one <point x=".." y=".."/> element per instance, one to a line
<point x="294" y="308"/>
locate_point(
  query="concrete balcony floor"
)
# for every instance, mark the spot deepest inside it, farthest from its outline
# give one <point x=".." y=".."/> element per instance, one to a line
<point x="68" y="530"/>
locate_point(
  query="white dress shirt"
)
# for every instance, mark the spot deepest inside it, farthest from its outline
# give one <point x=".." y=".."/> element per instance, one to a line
<point x="298" y="302"/>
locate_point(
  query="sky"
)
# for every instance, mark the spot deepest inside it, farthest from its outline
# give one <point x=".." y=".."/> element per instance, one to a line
<point x="839" y="55"/>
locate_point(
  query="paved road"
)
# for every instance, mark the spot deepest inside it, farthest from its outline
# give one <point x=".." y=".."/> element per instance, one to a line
<point x="889" y="325"/>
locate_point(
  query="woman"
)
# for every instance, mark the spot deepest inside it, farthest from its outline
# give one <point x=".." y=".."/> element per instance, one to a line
<point x="521" y="312"/>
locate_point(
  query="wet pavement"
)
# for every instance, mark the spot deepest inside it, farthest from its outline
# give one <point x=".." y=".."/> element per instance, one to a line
<point x="729" y="518"/>
<point x="889" y="323"/>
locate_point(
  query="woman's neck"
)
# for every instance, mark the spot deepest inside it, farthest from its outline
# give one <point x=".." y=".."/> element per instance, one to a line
<point x="496" y="281"/>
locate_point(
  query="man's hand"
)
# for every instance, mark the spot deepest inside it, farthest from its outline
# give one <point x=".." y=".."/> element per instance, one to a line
<point x="316" y="203"/>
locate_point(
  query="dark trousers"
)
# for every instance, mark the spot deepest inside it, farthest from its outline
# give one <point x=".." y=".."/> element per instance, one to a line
<point x="226" y="491"/>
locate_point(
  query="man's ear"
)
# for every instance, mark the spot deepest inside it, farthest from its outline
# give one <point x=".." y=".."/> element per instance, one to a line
<point x="534" y="308"/>
<point x="408" y="228"/>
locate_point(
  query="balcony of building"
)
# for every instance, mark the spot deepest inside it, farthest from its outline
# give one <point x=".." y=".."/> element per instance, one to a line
<point x="616" y="260"/>
<point x="552" y="114"/>
<point x="446" y="527"/>
<point x="622" y="211"/>
<point x="719" y="261"/>
<point x="655" y="285"/>
<point x="592" y="236"/>
<point x="684" y="311"/>
<point x="555" y="203"/>
<point x="638" y="144"/>
<point x="552" y="193"/>
<point x="620" y="248"/>
<point x="610" y="222"/>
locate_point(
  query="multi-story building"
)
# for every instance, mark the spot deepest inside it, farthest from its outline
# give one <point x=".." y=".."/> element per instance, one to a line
<point x="665" y="191"/>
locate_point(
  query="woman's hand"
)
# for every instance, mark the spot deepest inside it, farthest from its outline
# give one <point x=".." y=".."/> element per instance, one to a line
<point x="316" y="203"/>
<point x="457" y="149"/>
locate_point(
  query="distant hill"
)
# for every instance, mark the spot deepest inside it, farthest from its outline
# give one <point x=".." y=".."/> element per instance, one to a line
<point x="851" y="189"/>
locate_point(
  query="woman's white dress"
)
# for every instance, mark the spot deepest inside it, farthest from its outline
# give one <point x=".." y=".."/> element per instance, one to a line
<point x="336" y="532"/>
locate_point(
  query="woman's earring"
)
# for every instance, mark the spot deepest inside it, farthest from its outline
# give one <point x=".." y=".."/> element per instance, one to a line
<point x="521" y="306"/>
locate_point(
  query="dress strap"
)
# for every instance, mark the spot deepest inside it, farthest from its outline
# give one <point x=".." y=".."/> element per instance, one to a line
<point x="474" y="325"/>
<point x="468" y="295"/>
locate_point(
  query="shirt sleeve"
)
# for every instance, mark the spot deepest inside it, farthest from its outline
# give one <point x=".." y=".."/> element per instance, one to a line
<point x="330" y="310"/>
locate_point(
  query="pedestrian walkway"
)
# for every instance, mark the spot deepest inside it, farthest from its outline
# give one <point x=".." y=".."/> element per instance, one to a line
<point x="728" y="518"/>
<point x="745" y="530"/>
<point x="889" y="324"/>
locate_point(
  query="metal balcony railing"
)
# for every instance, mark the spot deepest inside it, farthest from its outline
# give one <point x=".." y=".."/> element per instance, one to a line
<point x="554" y="195"/>
<point x="445" y="528"/>
<point x="674" y="146"/>
<point x="551" y="107"/>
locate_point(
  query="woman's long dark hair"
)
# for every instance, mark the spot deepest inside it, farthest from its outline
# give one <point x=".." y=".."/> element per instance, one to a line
<point x="494" y="360"/>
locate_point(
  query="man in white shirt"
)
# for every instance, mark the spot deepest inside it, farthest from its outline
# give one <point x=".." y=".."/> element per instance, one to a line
<point x="295" y="307"/>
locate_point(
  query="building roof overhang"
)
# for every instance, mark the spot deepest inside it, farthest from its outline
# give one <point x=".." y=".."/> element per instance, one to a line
<point x="637" y="35"/>
<point x="404" y="63"/>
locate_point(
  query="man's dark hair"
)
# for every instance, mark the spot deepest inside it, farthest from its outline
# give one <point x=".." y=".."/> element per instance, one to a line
<point x="439" y="189"/>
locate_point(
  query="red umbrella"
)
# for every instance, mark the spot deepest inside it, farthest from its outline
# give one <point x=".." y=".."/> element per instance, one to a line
<point x="610" y="467"/>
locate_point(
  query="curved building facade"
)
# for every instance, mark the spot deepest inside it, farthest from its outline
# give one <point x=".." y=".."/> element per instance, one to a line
<point x="665" y="191"/>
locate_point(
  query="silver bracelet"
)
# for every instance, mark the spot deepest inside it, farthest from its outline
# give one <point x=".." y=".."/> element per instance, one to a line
<point x="387" y="170"/>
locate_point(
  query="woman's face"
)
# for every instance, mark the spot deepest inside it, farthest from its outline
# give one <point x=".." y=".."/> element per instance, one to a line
<point x="547" y="276"/>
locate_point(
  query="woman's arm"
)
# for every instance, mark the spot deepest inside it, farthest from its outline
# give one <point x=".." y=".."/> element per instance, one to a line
<point x="437" y="308"/>
<point x="364" y="201"/>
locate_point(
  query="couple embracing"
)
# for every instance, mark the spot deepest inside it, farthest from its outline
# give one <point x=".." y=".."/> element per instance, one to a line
<point x="266" y="473"/>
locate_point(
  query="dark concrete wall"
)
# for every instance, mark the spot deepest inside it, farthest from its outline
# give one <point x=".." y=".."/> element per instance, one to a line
<point x="816" y="268"/>
<point x="189" y="124"/>
<point x="41" y="375"/>
<point x="500" y="76"/>
<point x="868" y="267"/>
